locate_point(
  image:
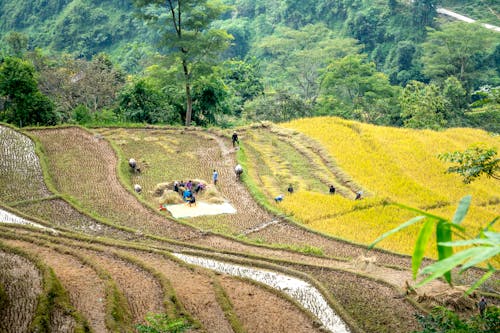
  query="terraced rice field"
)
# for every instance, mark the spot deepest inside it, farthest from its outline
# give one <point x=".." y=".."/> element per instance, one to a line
<point x="397" y="170"/>
<point x="109" y="255"/>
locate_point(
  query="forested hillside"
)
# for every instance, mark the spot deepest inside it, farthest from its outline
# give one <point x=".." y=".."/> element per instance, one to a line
<point x="390" y="62"/>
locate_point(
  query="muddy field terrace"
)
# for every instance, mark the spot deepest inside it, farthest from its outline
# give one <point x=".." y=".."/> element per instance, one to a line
<point x="81" y="249"/>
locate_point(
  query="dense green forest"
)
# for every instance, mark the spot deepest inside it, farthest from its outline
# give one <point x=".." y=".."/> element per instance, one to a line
<point x="390" y="62"/>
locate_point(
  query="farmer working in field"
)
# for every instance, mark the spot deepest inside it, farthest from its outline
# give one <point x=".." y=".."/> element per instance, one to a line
<point x="191" y="200"/>
<point x="215" y="177"/>
<point x="238" y="170"/>
<point x="234" y="139"/>
<point x="186" y="195"/>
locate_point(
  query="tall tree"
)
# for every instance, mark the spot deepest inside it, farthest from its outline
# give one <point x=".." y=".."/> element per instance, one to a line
<point x="353" y="89"/>
<point x="69" y="82"/>
<point x="304" y="53"/>
<point x="17" y="43"/>
<point x="21" y="102"/>
<point x="454" y="51"/>
<point x="187" y="35"/>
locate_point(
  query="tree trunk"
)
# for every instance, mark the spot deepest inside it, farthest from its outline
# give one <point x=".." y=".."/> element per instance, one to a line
<point x="189" y="101"/>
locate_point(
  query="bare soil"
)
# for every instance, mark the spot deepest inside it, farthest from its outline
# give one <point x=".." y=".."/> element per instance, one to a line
<point x="262" y="310"/>
<point x="22" y="284"/>
<point x="195" y="290"/>
<point x="143" y="292"/>
<point x="63" y="215"/>
<point x="86" y="290"/>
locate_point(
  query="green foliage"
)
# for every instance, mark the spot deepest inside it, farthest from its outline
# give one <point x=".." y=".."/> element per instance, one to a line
<point x="160" y="323"/>
<point x="105" y="116"/>
<point x="23" y="104"/>
<point x="455" y="98"/>
<point x="400" y="64"/>
<point x="210" y="97"/>
<point x="243" y="80"/>
<point x="81" y="114"/>
<point x="422" y="106"/>
<point x="424" y="12"/>
<point x="484" y="11"/>
<point x="473" y="163"/>
<point x="442" y="320"/>
<point x="352" y="88"/>
<point x="292" y="41"/>
<point x="17" y="43"/>
<point x="141" y="102"/>
<point x="480" y="249"/>
<point x="459" y="49"/>
<point x="187" y="35"/>
<point x="277" y="107"/>
<point x="368" y="26"/>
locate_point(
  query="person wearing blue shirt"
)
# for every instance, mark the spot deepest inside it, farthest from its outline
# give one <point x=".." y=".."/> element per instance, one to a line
<point x="187" y="194"/>
<point x="215" y="176"/>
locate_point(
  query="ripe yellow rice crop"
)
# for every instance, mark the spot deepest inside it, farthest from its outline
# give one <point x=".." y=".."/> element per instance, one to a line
<point x="307" y="206"/>
<point x="393" y="165"/>
<point x="401" y="164"/>
<point x="363" y="226"/>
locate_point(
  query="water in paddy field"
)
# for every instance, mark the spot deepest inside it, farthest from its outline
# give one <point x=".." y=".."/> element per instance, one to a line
<point x="6" y="217"/>
<point x="302" y="292"/>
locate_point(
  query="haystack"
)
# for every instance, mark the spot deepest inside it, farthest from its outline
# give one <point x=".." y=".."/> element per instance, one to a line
<point x="166" y="195"/>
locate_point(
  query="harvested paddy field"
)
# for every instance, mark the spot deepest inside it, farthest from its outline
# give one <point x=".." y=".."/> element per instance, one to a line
<point x="122" y="247"/>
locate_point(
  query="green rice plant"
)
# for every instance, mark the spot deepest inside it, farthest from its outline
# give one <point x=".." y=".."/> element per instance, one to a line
<point x="161" y="323"/>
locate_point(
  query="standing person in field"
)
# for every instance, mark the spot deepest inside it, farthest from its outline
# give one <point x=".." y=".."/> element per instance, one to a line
<point x="234" y="139"/>
<point x="215" y="176"/>
<point x="482" y="306"/>
<point x="290" y="189"/>
<point x="332" y="189"/>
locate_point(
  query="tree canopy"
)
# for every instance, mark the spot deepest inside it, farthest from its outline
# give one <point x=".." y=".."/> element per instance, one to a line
<point x="186" y="35"/>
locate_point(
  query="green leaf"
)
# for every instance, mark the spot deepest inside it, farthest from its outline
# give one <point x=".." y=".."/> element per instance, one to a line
<point x="420" y="244"/>
<point x="469" y="242"/>
<point x="495" y="220"/>
<point x="479" y="282"/>
<point x="494" y="236"/>
<point x="443" y="234"/>
<point x="443" y="267"/>
<point x="462" y="209"/>
<point x="393" y="231"/>
<point x="485" y="254"/>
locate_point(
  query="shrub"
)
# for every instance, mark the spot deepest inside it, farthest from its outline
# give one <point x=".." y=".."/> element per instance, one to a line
<point x="444" y="320"/>
<point x="81" y="114"/>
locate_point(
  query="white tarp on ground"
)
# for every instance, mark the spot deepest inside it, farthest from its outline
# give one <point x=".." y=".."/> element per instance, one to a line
<point x="201" y="208"/>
